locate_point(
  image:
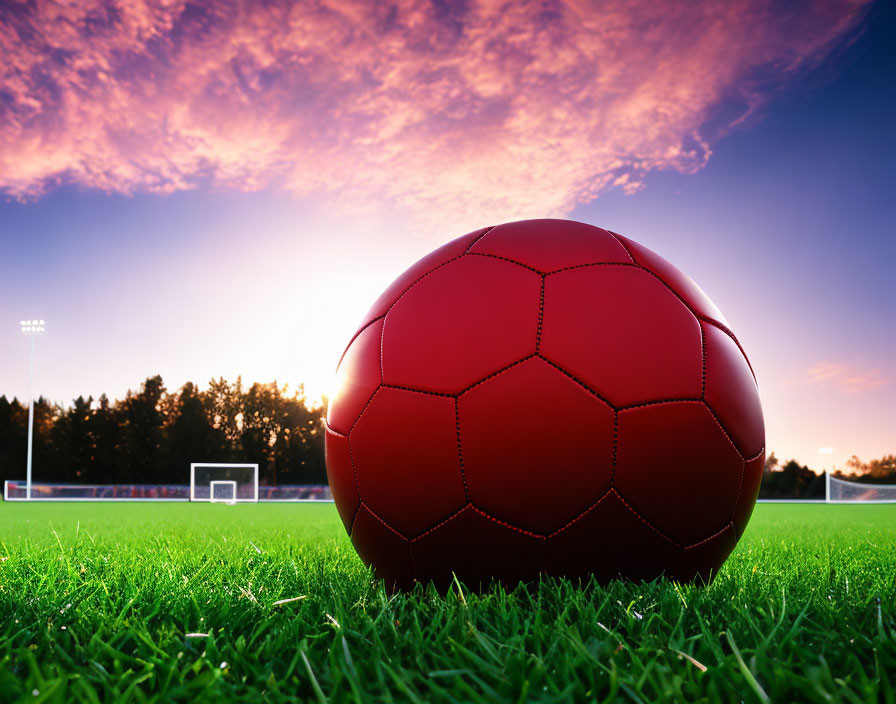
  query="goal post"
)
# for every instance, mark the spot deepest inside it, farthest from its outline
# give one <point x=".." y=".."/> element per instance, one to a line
<point x="840" y="491"/>
<point x="217" y="482"/>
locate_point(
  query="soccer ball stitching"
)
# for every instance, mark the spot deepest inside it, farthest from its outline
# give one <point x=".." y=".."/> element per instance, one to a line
<point x="470" y="504"/>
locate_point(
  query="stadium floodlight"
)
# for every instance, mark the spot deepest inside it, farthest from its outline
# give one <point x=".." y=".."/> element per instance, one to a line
<point x="223" y="482"/>
<point x="31" y="328"/>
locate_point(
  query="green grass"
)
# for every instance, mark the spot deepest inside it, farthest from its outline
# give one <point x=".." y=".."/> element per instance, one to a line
<point x="96" y="601"/>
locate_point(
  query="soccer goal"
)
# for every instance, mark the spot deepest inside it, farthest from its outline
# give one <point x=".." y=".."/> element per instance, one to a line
<point x="838" y="491"/>
<point x="222" y="491"/>
<point x="223" y="483"/>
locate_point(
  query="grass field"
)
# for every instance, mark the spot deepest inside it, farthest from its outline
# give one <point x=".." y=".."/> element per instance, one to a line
<point x="98" y="601"/>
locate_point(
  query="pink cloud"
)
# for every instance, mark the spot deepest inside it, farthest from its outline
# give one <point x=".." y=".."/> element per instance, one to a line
<point x="844" y="377"/>
<point x="494" y="110"/>
<point x="824" y="371"/>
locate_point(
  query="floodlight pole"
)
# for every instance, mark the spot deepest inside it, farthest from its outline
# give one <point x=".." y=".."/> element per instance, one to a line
<point x="30" y="418"/>
<point x="31" y="328"/>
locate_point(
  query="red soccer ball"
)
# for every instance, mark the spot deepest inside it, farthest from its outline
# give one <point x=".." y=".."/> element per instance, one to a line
<point x="544" y="397"/>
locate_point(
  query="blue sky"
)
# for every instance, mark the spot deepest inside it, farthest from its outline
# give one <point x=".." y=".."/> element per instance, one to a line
<point x="791" y="229"/>
<point x="149" y="257"/>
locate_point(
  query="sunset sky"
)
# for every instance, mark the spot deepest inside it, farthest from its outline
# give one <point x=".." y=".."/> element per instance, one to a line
<point x="215" y="189"/>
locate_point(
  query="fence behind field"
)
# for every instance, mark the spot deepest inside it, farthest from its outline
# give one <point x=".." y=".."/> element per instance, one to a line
<point x="43" y="491"/>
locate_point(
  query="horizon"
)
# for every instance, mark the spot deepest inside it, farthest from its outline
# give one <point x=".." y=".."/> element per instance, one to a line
<point x="320" y="404"/>
<point x="194" y="214"/>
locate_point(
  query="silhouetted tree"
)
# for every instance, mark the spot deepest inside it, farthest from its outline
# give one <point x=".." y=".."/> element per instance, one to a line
<point x="190" y="436"/>
<point x="877" y="471"/>
<point x="107" y="431"/>
<point x="791" y="481"/>
<point x="299" y="450"/>
<point x="47" y="465"/>
<point x="262" y="428"/>
<point x="882" y="470"/>
<point x="13" y="438"/>
<point x="225" y="404"/>
<point x="142" y="418"/>
<point x="73" y="443"/>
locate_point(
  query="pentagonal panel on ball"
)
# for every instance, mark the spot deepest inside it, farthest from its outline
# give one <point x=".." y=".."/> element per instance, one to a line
<point x="405" y="451"/>
<point x="676" y="467"/>
<point x="732" y="393"/>
<point x="439" y="256"/>
<point x="357" y="377"/>
<point x="610" y="541"/>
<point x="683" y="285"/>
<point x="548" y="245"/>
<point x="623" y="333"/>
<point x="341" y="477"/>
<point x="514" y="449"/>
<point x="465" y="320"/>
<point x="477" y="548"/>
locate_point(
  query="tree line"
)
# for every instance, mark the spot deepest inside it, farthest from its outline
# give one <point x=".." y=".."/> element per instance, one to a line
<point x="792" y="480"/>
<point x="152" y="435"/>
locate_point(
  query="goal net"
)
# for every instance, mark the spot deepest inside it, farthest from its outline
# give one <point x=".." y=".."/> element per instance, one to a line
<point x="223" y="483"/>
<point x="840" y="491"/>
